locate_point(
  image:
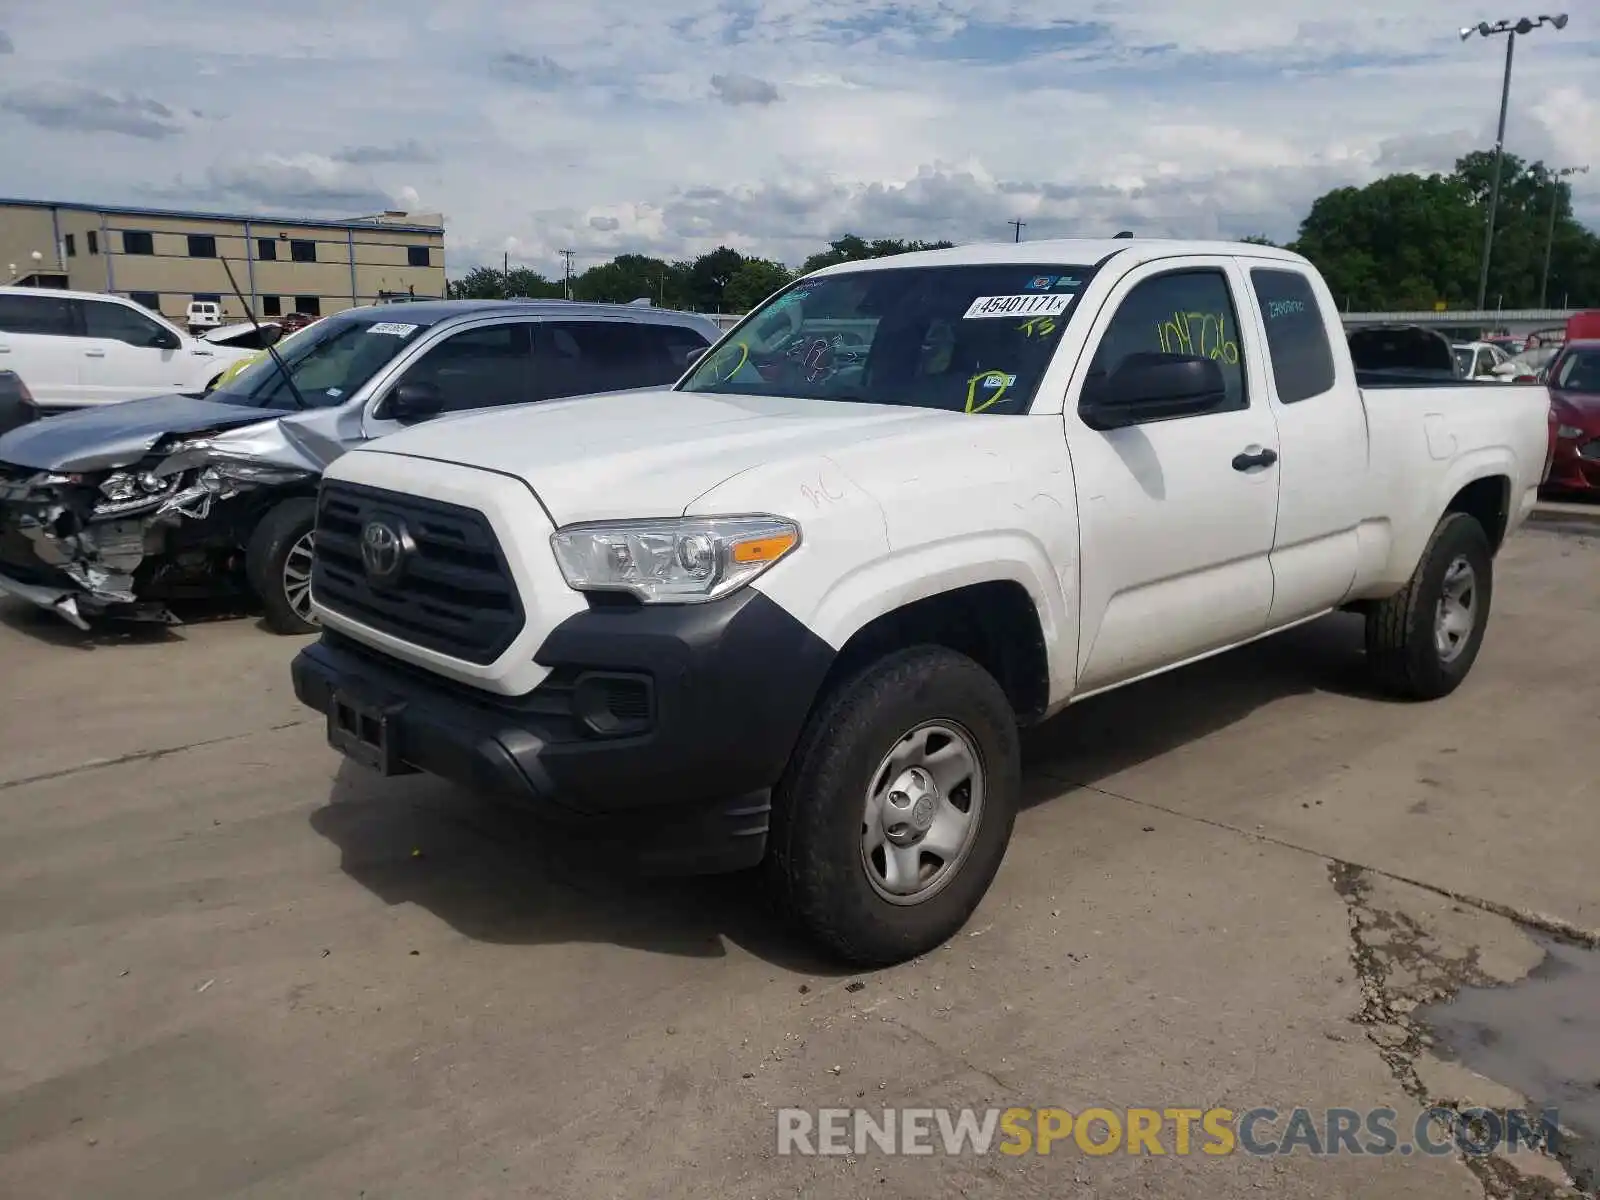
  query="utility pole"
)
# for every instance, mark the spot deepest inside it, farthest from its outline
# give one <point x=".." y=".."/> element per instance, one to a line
<point x="1018" y="226"/>
<point x="566" y="256"/>
<point x="1556" y="177"/>
<point x="1511" y="29"/>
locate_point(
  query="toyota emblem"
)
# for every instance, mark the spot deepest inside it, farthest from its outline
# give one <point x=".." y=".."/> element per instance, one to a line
<point x="384" y="545"/>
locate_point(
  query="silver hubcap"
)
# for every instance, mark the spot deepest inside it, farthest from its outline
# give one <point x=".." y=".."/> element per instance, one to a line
<point x="1457" y="611"/>
<point x="297" y="579"/>
<point x="922" y="812"/>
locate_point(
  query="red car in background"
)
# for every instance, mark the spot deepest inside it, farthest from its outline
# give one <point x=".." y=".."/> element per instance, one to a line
<point x="1573" y="378"/>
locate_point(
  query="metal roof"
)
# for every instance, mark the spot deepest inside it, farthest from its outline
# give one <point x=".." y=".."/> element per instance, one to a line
<point x="197" y="215"/>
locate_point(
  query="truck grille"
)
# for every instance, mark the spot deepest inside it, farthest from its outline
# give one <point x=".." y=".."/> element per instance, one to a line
<point x="454" y="594"/>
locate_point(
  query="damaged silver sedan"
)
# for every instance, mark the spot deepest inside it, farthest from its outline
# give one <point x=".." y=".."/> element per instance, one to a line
<point x="123" y="509"/>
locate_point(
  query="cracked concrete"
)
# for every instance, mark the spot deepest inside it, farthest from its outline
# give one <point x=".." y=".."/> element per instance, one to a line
<point x="232" y="966"/>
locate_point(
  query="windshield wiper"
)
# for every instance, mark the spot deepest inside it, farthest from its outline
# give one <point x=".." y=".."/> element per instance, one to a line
<point x="299" y="400"/>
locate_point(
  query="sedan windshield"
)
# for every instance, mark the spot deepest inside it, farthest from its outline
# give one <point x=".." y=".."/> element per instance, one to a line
<point x="328" y="361"/>
<point x="973" y="339"/>
<point x="1578" y="371"/>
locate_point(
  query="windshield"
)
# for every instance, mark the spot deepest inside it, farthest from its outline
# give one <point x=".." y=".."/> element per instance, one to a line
<point x="1578" y="371"/>
<point x="973" y="339"/>
<point x="328" y="362"/>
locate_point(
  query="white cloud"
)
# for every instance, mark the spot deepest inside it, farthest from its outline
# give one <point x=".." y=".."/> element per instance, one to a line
<point x="771" y="125"/>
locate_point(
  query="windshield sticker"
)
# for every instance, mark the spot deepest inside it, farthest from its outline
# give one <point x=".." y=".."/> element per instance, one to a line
<point x="997" y="382"/>
<point x="790" y="298"/>
<point x="1199" y="333"/>
<point x="1071" y="282"/>
<point x="1043" y="326"/>
<point x="1040" y="283"/>
<point x="1284" y="308"/>
<point x="335" y="392"/>
<point x="393" y="328"/>
<point x="1026" y="305"/>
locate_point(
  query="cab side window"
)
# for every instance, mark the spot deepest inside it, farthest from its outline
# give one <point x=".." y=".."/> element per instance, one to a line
<point x="118" y="323"/>
<point x="478" y="368"/>
<point x="1297" y="334"/>
<point x="1185" y="312"/>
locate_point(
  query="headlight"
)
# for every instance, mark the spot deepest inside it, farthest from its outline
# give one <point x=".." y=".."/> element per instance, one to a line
<point x="125" y="492"/>
<point x="683" y="561"/>
<point x="1568" y="431"/>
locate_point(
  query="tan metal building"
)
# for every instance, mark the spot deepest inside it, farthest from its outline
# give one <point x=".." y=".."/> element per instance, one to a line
<point x="165" y="258"/>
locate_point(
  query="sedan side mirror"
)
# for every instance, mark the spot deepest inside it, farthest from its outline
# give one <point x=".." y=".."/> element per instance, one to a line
<point x="415" y="401"/>
<point x="695" y="356"/>
<point x="1153" y="387"/>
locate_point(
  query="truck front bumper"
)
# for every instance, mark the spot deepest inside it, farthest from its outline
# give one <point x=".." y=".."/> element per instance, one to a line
<point x="659" y="728"/>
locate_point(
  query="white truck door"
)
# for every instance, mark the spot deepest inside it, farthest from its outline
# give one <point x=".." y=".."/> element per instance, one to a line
<point x="1176" y="516"/>
<point x="1322" y="437"/>
<point x="127" y="355"/>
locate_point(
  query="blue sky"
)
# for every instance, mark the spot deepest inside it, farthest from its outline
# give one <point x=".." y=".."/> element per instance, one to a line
<point x="772" y="125"/>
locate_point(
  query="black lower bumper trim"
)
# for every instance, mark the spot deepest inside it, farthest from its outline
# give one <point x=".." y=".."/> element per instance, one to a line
<point x="686" y="785"/>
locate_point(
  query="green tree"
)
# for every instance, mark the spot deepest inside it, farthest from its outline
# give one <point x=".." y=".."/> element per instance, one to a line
<point x="709" y="276"/>
<point x="480" y="283"/>
<point x="626" y="277"/>
<point x="1257" y="239"/>
<point x="1408" y="242"/>
<point x="753" y="282"/>
<point x="851" y="248"/>
<point x="529" y="284"/>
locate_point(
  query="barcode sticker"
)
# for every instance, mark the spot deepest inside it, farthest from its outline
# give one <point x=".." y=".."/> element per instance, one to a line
<point x="392" y="327"/>
<point x="1034" y="305"/>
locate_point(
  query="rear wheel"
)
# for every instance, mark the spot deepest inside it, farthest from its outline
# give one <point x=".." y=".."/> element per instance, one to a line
<point x="896" y="809"/>
<point x="278" y="563"/>
<point x="1422" y="641"/>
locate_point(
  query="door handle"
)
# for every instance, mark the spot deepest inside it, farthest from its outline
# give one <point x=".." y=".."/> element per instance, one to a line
<point x="94" y="353"/>
<point x="1260" y="458"/>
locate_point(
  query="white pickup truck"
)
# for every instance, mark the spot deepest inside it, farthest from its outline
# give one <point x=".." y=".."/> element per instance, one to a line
<point x="793" y="610"/>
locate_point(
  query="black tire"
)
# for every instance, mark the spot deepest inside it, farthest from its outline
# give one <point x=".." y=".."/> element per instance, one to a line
<point x="1401" y="648"/>
<point x="267" y="556"/>
<point x="814" y="865"/>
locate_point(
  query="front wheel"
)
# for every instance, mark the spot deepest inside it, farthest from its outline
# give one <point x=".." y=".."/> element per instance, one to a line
<point x="1422" y="641"/>
<point x="278" y="563"/>
<point x="894" y="814"/>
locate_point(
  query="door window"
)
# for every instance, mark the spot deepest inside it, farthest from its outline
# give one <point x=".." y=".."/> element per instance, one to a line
<point x="1297" y="335"/>
<point x="1185" y="312"/>
<point x="576" y="358"/>
<point x="119" y="323"/>
<point x="37" y="314"/>
<point x="667" y="349"/>
<point x="478" y="368"/>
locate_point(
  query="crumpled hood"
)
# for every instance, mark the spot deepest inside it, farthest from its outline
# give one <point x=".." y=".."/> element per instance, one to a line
<point x="117" y="435"/>
<point x="651" y="453"/>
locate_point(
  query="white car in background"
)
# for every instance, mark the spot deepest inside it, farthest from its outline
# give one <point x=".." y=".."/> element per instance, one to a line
<point x="1484" y="360"/>
<point x="76" y="349"/>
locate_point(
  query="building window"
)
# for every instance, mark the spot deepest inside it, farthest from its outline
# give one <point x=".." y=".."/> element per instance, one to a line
<point x="137" y="241"/>
<point x="92" y="239"/>
<point x="272" y="306"/>
<point x="151" y="300"/>
<point x="266" y="250"/>
<point x="416" y="256"/>
<point x="310" y="305"/>
<point x="208" y="297"/>
<point x="202" y="245"/>
<point x="72" y="245"/>
<point x="303" y="251"/>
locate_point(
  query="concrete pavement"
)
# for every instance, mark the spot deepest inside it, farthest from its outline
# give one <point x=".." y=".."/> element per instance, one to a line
<point x="233" y="966"/>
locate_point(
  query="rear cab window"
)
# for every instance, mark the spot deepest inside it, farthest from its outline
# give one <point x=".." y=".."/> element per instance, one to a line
<point x="973" y="338"/>
<point x="1297" y="334"/>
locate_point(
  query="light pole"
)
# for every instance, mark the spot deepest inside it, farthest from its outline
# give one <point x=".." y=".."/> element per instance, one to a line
<point x="1523" y="25"/>
<point x="1556" y="177"/>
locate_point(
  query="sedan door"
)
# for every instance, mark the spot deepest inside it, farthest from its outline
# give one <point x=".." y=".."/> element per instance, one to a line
<point x="1176" y="516"/>
<point x="127" y="355"/>
<point x="486" y="365"/>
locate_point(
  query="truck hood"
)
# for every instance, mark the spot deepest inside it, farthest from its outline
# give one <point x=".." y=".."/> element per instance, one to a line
<point x="118" y="435"/>
<point x="652" y="453"/>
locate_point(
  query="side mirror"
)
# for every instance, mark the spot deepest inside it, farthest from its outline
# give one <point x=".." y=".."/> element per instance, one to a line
<point x="416" y="401"/>
<point x="695" y="356"/>
<point x="1505" y="368"/>
<point x="163" y="340"/>
<point x="270" y="334"/>
<point x="1153" y="387"/>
